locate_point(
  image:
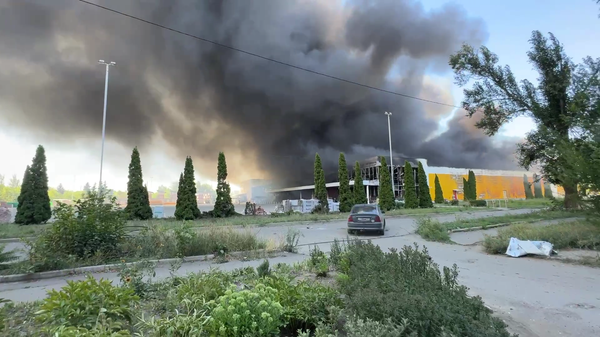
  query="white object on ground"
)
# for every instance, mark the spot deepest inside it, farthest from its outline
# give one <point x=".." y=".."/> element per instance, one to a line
<point x="518" y="248"/>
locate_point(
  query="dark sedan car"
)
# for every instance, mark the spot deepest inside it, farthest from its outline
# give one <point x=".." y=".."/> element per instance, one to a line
<point x="366" y="217"/>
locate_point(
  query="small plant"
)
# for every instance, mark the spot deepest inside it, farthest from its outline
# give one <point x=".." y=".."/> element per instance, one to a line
<point x="246" y="313"/>
<point x="454" y="202"/>
<point x="319" y="262"/>
<point x="190" y="323"/>
<point x="478" y="203"/>
<point x="204" y="286"/>
<point x="263" y="269"/>
<point x="432" y="230"/>
<point x="336" y="252"/>
<point x="133" y="275"/>
<point x="185" y="237"/>
<point x="291" y="240"/>
<point x="104" y="328"/>
<point x="79" y="303"/>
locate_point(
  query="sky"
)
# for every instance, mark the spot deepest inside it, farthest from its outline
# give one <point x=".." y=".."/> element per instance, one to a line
<point x="509" y="25"/>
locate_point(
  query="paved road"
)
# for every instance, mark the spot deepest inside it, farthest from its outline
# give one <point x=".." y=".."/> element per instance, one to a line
<point x="536" y="297"/>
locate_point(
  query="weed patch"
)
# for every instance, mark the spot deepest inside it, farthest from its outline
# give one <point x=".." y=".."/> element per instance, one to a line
<point x="432" y="230"/>
<point x="495" y="220"/>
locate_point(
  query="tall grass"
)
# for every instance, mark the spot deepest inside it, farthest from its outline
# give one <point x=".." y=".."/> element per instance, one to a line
<point x="579" y="234"/>
<point x="529" y="203"/>
<point x="432" y="230"/>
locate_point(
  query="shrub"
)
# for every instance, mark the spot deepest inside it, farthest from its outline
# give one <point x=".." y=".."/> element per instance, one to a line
<point x="132" y="276"/>
<point x="79" y="303"/>
<point x="432" y="230"/>
<point x="454" y="202"/>
<point x="478" y="203"/>
<point x="408" y="285"/>
<point x="581" y="234"/>
<point x="103" y="328"/>
<point x="305" y="303"/>
<point x="93" y="226"/>
<point x="246" y="313"/>
<point x="190" y="323"/>
<point x="204" y="286"/>
<point x="424" y="194"/>
<point x="291" y="240"/>
<point x="263" y="269"/>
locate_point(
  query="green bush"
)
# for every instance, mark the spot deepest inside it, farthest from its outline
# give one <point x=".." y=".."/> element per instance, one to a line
<point x="454" y="202"/>
<point x="93" y="226"/>
<point x="478" y="203"/>
<point x="103" y="328"/>
<point x="407" y="285"/>
<point x="581" y="235"/>
<point x="79" y="304"/>
<point x="190" y="323"/>
<point x="246" y="313"/>
<point x="318" y="262"/>
<point x="305" y="303"/>
<point x="263" y="269"/>
<point x="204" y="286"/>
<point x="432" y="230"/>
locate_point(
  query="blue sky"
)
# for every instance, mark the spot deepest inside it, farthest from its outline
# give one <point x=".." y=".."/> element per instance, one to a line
<point x="510" y="23"/>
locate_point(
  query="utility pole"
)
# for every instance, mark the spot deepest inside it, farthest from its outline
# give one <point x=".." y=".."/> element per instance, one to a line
<point x="388" y="114"/>
<point x="107" y="64"/>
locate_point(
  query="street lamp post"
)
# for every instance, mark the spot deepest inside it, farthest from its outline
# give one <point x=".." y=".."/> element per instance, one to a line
<point x="388" y="114"/>
<point x="107" y="64"/>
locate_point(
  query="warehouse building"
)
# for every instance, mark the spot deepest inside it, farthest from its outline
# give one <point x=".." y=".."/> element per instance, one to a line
<point x="491" y="184"/>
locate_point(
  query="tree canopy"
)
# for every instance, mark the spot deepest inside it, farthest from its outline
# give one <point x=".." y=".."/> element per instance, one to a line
<point x="386" y="194"/>
<point x="223" y="205"/>
<point x="320" y="185"/>
<point x="34" y="201"/>
<point x="345" y="197"/>
<point x="565" y="95"/>
<point x="360" y="195"/>
<point x="410" y="194"/>
<point x="138" y="202"/>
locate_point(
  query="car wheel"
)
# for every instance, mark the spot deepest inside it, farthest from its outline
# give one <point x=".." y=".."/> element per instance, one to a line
<point x="350" y="231"/>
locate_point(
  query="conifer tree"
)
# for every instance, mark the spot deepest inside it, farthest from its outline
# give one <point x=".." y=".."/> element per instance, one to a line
<point x="320" y="186"/>
<point x="439" y="194"/>
<point x="527" y="187"/>
<point x="345" y="196"/>
<point x="34" y="193"/>
<point x="223" y="205"/>
<point x="472" y="186"/>
<point x="424" y="194"/>
<point x="360" y="195"/>
<point x="138" y="203"/>
<point x="466" y="189"/>
<point x="187" y="207"/>
<point x="410" y="194"/>
<point x="548" y="191"/>
<point x="386" y="195"/>
<point x="537" y="187"/>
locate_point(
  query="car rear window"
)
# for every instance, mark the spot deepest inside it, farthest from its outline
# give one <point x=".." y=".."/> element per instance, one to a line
<point x="363" y="209"/>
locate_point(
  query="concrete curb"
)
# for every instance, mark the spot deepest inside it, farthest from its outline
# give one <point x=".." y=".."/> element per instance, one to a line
<point x="11" y="240"/>
<point x="471" y="229"/>
<point x="113" y="267"/>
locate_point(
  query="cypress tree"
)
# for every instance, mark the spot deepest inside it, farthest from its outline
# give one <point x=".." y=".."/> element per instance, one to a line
<point x="439" y="194"/>
<point x="320" y="187"/>
<point x="386" y="195"/>
<point x="527" y="187"/>
<point x="547" y="191"/>
<point x="537" y="187"/>
<point x="424" y="194"/>
<point x="472" y="186"/>
<point x="34" y="193"/>
<point x="410" y="195"/>
<point x="360" y="195"/>
<point x="187" y="206"/>
<point x="138" y="203"/>
<point x="345" y="193"/>
<point x="223" y="205"/>
<point x="466" y="189"/>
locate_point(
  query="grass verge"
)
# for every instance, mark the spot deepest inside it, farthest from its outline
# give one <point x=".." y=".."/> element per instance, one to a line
<point x="519" y="218"/>
<point x="529" y="203"/>
<point x="578" y="234"/>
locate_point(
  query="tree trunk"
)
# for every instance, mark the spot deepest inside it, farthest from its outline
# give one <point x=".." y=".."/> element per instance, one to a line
<point x="571" y="196"/>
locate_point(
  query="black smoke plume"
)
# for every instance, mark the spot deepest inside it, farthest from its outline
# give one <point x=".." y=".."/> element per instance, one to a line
<point x="201" y="99"/>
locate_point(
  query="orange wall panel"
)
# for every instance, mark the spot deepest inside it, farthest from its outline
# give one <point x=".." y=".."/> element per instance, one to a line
<point x="488" y="187"/>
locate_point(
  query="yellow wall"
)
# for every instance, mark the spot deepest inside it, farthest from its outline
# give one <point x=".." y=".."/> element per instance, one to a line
<point x="491" y="187"/>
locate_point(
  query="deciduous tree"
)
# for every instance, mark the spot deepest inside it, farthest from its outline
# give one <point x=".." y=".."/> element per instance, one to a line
<point x="320" y="185"/>
<point x="424" y="194"/>
<point x="360" y="195"/>
<point x="386" y="195"/>
<point x="223" y="205"/>
<point x="410" y="194"/>
<point x="565" y="93"/>
<point x="138" y="203"/>
<point x="439" y="194"/>
<point x="345" y="196"/>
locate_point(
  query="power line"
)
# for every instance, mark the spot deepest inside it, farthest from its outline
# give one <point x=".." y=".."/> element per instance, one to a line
<point x="266" y="58"/>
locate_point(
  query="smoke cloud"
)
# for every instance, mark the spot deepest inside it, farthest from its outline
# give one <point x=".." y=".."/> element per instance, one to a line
<point x="200" y="99"/>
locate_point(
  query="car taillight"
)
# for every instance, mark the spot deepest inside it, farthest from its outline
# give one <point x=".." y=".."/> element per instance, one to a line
<point x="377" y="219"/>
<point x="350" y="218"/>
